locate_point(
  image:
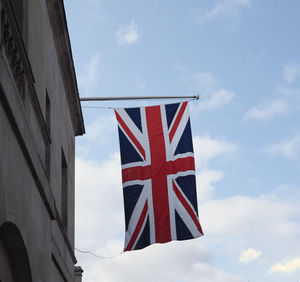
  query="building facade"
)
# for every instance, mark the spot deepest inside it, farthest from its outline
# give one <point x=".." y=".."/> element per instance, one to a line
<point x="40" y="115"/>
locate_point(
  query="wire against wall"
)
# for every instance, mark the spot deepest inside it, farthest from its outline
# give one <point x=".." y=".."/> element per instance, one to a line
<point x="98" y="256"/>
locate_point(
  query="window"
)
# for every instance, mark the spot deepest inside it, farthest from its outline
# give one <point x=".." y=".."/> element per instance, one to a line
<point x="64" y="190"/>
<point x="48" y="125"/>
<point x="18" y="11"/>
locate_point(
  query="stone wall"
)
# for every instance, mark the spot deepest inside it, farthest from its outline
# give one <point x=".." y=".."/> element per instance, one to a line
<point x="40" y="116"/>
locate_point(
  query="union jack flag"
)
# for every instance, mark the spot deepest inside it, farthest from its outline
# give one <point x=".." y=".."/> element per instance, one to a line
<point x="158" y="175"/>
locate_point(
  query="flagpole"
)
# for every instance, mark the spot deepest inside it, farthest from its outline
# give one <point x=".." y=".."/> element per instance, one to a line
<point x="84" y="99"/>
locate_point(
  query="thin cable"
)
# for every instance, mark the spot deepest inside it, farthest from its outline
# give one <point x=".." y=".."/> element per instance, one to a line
<point x="90" y="253"/>
<point x="95" y="107"/>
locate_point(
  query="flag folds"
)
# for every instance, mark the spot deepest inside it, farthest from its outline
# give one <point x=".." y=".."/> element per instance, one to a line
<point x="158" y="175"/>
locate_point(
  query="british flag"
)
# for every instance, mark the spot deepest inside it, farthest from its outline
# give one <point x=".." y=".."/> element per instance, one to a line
<point x="158" y="175"/>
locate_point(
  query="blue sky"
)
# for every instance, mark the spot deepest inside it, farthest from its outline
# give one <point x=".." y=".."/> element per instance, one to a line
<point x="242" y="57"/>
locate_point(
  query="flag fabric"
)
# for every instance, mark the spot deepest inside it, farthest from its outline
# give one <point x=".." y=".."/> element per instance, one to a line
<point x="158" y="175"/>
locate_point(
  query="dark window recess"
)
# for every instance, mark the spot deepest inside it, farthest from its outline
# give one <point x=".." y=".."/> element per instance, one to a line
<point x="48" y="146"/>
<point x="64" y="190"/>
<point x="48" y="112"/>
<point x="18" y="8"/>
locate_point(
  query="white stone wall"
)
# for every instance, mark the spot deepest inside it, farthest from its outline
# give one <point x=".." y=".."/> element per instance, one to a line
<point x="30" y="199"/>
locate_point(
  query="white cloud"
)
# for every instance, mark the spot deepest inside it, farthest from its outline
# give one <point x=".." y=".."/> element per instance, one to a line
<point x="233" y="223"/>
<point x="289" y="148"/>
<point x="226" y="9"/>
<point x="179" y="66"/>
<point x="211" y="97"/>
<point x="257" y="54"/>
<point x="216" y="100"/>
<point x="92" y="10"/>
<point x="289" y="101"/>
<point x="207" y="148"/>
<point x="249" y="255"/>
<point x="287" y="91"/>
<point x="241" y="220"/>
<point x="205" y="180"/>
<point x="88" y="12"/>
<point x="287" y="266"/>
<point x="100" y="224"/>
<point x="279" y="106"/>
<point x="128" y="34"/>
<point x="205" y="80"/>
<point x="99" y="203"/>
<point x="267" y="112"/>
<point x="226" y="222"/>
<point x="291" y="72"/>
<point x="161" y="267"/>
<point x="99" y="228"/>
<point x="163" y="263"/>
<point x="139" y="84"/>
<point x="100" y="130"/>
<point x="88" y="79"/>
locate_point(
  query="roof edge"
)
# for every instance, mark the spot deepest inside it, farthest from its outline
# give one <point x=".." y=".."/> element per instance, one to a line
<point x="61" y="37"/>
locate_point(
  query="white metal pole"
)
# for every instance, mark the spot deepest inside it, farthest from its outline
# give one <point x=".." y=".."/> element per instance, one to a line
<point x="84" y="99"/>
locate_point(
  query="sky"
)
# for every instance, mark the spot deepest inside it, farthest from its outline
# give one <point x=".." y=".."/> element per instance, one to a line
<point x="242" y="57"/>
